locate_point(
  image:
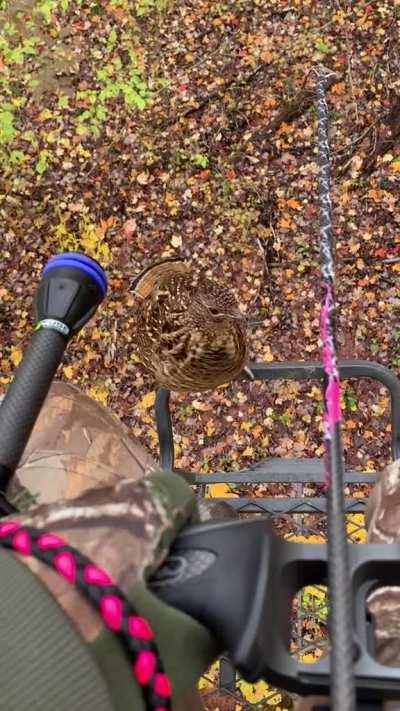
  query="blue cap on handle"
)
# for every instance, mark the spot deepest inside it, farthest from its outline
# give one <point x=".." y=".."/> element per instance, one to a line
<point x="79" y="261"/>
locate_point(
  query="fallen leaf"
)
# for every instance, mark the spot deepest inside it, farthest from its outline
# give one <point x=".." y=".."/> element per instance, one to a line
<point x="219" y="491"/>
<point x="142" y="178"/>
<point x="99" y="393"/>
<point x="201" y="406"/>
<point x="266" y="57"/>
<point x="210" y="428"/>
<point x="176" y="241"/>
<point x="129" y="229"/>
<point x="148" y="400"/>
<point x="16" y="356"/>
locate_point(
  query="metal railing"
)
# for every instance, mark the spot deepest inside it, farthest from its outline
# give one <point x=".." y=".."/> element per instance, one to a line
<point x="304" y="511"/>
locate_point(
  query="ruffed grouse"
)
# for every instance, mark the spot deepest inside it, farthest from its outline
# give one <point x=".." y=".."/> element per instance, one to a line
<point x="190" y="331"/>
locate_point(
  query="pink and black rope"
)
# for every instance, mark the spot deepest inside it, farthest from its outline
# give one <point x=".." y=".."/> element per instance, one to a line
<point x="342" y="692"/>
<point x="118" y="615"/>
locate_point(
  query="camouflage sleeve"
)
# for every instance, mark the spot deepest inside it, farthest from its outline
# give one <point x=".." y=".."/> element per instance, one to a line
<point x="84" y="476"/>
<point x="126" y="528"/>
<point x="77" y="444"/>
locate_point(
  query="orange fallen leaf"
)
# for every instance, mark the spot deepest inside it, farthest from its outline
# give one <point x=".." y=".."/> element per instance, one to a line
<point x="266" y="57"/>
<point x="286" y="223"/>
<point x="339" y="88"/>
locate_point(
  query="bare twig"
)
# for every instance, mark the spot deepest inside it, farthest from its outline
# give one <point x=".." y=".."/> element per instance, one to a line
<point x="218" y="94"/>
<point x="291" y="110"/>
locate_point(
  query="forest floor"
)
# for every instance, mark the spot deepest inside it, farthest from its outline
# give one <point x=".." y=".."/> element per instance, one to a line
<point x="139" y="130"/>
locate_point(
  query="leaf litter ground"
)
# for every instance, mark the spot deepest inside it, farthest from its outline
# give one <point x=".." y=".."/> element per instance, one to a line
<point x="136" y="131"/>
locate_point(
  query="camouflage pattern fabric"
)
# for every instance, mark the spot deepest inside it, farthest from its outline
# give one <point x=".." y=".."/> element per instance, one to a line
<point x="76" y="445"/>
<point x="99" y="489"/>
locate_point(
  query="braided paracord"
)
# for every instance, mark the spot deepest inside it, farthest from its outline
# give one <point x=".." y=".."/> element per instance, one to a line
<point x="117" y="613"/>
<point x="340" y="593"/>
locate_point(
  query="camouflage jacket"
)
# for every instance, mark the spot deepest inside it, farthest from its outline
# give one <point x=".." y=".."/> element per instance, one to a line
<point x="85" y="478"/>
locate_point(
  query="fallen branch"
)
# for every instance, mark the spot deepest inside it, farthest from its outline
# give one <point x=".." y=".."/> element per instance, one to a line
<point x="386" y="138"/>
<point x="345" y="260"/>
<point x="291" y="110"/>
<point x="218" y="94"/>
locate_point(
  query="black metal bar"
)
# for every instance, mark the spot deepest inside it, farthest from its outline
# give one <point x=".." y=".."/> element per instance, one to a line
<point x="289" y="505"/>
<point x="227" y="675"/>
<point x="164" y="429"/>
<point x="275" y="470"/>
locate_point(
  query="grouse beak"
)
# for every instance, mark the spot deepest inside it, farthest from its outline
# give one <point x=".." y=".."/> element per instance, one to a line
<point x="238" y="316"/>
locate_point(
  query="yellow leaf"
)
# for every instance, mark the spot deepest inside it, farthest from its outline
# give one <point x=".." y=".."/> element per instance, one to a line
<point x="313" y="538"/>
<point x="254" y="693"/>
<point x="268" y="355"/>
<point x="148" y="400"/>
<point x="68" y="372"/>
<point x="99" y="393"/>
<point x="311" y="657"/>
<point x="256" y="431"/>
<point x="246" y="426"/>
<point x="210" y="428"/>
<point x="395" y="166"/>
<point x="218" y="491"/>
<point x="16" y="356"/>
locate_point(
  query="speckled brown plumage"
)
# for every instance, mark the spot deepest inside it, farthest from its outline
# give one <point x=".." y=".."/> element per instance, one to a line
<point x="190" y="331"/>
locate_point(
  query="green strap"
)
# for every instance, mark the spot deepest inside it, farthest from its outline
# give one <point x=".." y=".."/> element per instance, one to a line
<point x="43" y="664"/>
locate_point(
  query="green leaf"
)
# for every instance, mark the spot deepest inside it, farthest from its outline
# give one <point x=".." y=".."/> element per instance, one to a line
<point x="7" y="130"/>
<point x="63" y="101"/>
<point x="350" y="400"/>
<point x="16" y="157"/>
<point x="43" y="161"/>
<point x="324" y="48"/>
<point x="200" y="160"/>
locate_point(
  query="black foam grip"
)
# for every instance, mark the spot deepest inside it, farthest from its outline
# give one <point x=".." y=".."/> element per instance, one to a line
<point x="26" y="395"/>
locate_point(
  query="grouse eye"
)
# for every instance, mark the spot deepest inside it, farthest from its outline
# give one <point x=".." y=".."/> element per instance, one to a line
<point x="214" y="311"/>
